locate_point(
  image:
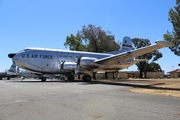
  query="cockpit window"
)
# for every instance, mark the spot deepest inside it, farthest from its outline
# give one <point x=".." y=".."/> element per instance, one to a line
<point x="26" y="49"/>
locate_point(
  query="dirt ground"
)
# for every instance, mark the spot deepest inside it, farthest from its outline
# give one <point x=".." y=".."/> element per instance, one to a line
<point x="167" y="87"/>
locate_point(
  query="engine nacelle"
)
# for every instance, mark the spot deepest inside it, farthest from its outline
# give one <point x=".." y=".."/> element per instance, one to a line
<point x="69" y="66"/>
<point x="88" y="62"/>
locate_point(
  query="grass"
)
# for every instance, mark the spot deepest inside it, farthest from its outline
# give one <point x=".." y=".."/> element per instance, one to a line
<point x="170" y="87"/>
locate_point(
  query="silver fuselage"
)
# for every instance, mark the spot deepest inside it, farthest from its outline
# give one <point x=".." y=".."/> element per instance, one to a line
<point x="49" y="60"/>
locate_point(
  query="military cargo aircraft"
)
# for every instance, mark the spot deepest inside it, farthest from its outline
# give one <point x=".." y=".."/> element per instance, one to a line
<point x="71" y="63"/>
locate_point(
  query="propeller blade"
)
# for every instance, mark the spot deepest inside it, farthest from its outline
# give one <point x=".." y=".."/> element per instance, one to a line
<point x="78" y="60"/>
<point x="62" y="65"/>
<point x="75" y="59"/>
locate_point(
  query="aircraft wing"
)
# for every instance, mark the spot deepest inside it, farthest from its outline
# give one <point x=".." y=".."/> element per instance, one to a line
<point x="127" y="64"/>
<point x="118" y="58"/>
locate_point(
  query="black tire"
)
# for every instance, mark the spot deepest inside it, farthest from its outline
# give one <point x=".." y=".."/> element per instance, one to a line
<point x="70" y="77"/>
<point x="86" y="78"/>
<point x="83" y="78"/>
<point x="43" y="79"/>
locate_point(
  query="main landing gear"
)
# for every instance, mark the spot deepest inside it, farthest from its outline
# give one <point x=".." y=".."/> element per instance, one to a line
<point x="86" y="78"/>
<point x="70" y="77"/>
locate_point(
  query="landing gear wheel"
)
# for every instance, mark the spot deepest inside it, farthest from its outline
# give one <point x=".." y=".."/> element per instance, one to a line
<point x="70" y="77"/>
<point x="86" y="78"/>
<point x="83" y="78"/>
<point x="116" y="75"/>
<point x="43" y="79"/>
<point x="8" y="78"/>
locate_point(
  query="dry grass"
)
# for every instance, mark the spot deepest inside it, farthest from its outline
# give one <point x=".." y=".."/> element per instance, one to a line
<point x="170" y="87"/>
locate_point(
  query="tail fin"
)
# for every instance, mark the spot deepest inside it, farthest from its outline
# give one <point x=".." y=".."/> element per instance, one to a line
<point x="126" y="44"/>
<point x="12" y="68"/>
<point x="18" y="70"/>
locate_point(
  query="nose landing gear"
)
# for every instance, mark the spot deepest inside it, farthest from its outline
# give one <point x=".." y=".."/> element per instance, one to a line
<point x="43" y="79"/>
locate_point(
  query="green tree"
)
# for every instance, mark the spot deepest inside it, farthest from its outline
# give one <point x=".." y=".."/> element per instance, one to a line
<point x="174" y="36"/>
<point x="144" y="67"/>
<point x="154" y="67"/>
<point x="74" y="43"/>
<point x="92" y="39"/>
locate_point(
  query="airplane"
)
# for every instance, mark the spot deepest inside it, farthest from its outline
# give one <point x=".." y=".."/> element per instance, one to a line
<point x="11" y="73"/>
<point x="14" y="73"/>
<point x="70" y="63"/>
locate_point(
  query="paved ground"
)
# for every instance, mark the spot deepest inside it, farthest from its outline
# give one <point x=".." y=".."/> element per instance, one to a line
<point x="59" y="100"/>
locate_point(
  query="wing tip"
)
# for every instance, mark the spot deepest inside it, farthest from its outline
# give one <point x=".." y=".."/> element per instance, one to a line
<point x="164" y="43"/>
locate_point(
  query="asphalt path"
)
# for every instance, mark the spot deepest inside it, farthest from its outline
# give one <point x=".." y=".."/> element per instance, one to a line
<point x="61" y="100"/>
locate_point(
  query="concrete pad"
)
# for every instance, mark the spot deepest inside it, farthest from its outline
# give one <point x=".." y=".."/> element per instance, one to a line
<point x="32" y="99"/>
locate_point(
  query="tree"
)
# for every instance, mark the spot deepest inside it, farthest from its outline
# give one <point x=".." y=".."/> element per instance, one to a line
<point x="154" y="67"/>
<point x="174" y="37"/>
<point x="150" y="57"/>
<point x="92" y="39"/>
<point x="74" y="43"/>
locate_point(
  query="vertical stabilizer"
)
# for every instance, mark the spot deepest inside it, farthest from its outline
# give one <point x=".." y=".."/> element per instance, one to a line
<point x="126" y="44"/>
<point x="18" y="70"/>
<point x="12" y="68"/>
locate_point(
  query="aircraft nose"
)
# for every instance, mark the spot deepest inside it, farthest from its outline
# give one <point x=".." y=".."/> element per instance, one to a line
<point x="11" y="55"/>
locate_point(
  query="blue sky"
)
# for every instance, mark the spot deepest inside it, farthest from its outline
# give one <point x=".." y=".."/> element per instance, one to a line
<point x="47" y="23"/>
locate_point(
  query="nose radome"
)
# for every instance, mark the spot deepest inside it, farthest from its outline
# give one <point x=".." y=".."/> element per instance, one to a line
<point x="11" y="55"/>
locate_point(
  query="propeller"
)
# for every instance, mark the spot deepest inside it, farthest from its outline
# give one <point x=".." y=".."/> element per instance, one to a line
<point x="78" y="60"/>
<point x="62" y="65"/>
